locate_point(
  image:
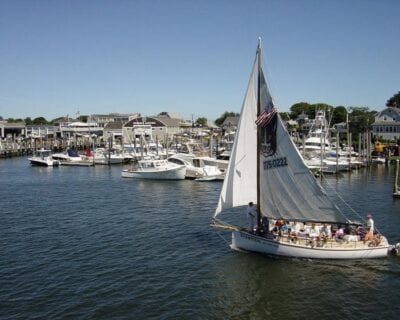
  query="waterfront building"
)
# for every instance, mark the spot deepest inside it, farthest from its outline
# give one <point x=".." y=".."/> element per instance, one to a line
<point x="230" y="124"/>
<point x="12" y="130"/>
<point x="113" y="130"/>
<point x="40" y="131"/>
<point x="67" y="128"/>
<point x="387" y="124"/>
<point x="103" y="119"/>
<point x="162" y="128"/>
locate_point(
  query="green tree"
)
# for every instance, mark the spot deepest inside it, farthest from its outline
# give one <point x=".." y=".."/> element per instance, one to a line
<point x="11" y="120"/>
<point x="339" y="115"/>
<point x="394" y="101"/>
<point x="39" y="121"/>
<point x="201" y="122"/>
<point x="56" y="119"/>
<point x="284" y="116"/>
<point x="360" y="119"/>
<point x="83" y="118"/>
<point x="302" y="107"/>
<point x="222" y="118"/>
<point x="28" y="121"/>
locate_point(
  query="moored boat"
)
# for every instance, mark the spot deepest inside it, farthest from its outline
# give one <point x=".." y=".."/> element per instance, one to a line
<point x="266" y="167"/>
<point x="157" y="169"/>
<point x="43" y="158"/>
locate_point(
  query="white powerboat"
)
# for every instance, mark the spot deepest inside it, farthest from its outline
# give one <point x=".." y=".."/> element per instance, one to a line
<point x="43" y="158"/>
<point x="150" y="168"/>
<point x="70" y="156"/>
<point x="196" y="169"/>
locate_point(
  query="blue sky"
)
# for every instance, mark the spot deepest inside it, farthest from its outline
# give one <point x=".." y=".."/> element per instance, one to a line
<point x="193" y="57"/>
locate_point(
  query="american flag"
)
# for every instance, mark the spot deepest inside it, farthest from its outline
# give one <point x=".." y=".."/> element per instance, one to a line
<point x="266" y="116"/>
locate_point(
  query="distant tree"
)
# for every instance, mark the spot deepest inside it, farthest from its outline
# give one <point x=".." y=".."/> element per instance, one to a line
<point x="299" y="108"/>
<point x="1" y="118"/>
<point x="83" y="118"/>
<point x="394" y="101"/>
<point x="28" y="121"/>
<point x="309" y="109"/>
<point x="339" y="115"/>
<point x="284" y="116"/>
<point x="201" y="122"/>
<point x="39" y="121"/>
<point x="222" y="118"/>
<point x="56" y="119"/>
<point x="361" y="119"/>
<point x="10" y="120"/>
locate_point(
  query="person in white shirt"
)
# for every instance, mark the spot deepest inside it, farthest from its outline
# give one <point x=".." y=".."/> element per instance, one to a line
<point x="370" y="228"/>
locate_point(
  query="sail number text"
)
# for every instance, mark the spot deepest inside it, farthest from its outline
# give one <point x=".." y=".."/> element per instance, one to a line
<point x="278" y="162"/>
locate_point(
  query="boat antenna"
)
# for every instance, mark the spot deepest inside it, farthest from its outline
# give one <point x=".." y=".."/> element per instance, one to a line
<point x="258" y="135"/>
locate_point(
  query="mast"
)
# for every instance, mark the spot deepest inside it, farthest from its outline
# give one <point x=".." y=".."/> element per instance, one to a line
<point x="396" y="187"/>
<point x="258" y="135"/>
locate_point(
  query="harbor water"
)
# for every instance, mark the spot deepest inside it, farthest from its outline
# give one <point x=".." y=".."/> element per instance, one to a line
<point x="84" y="243"/>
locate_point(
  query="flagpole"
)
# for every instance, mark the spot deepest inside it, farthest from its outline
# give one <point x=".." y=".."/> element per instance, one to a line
<point x="258" y="136"/>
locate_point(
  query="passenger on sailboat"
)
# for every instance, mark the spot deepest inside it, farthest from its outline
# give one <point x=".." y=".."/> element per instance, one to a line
<point x="314" y="235"/>
<point x="325" y="231"/>
<point x="360" y="231"/>
<point x="370" y="228"/>
<point x="339" y="235"/>
<point x="251" y="216"/>
<point x="324" y="234"/>
<point x="370" y="223"/>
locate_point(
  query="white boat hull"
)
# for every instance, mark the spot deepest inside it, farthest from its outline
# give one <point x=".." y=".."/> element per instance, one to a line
<point x="44" y="162"/>
<point x="249" y="242"/>
<point x="171" y="174"/>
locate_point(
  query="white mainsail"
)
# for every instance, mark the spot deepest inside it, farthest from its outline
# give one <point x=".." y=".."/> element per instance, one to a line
<point x="288" y="189"/>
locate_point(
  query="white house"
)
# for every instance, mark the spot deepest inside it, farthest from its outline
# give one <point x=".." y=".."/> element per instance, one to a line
<point x="387" y="124"/>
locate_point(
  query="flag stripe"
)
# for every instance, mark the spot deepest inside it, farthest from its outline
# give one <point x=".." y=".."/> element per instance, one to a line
<point x="265" y="117"/>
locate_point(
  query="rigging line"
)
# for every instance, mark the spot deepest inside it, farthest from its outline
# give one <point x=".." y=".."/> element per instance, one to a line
<point x="341" y="198"/>
<point x="222" y="237"/>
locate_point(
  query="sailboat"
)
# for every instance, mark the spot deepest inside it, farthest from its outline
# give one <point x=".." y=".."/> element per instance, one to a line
<point x="265" y="167"/>
<point x="396" y="192"/>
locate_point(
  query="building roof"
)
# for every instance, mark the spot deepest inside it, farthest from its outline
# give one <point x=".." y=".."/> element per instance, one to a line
<point x="173" y="115"/>
<point x="13" y="124"/>
<point x="231" y="121"/>
<point x="389" y="114"/>
<point x="169" y="122"/>
<point x="113" y="125"/>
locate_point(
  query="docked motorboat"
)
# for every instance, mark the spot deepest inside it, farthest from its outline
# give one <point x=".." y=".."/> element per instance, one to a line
<point x="43" y="157"/>
<point x="104" y="156"/>
<point x="70" y="156"/>
<point x="195" y="167"/>
<point x="158" y="169"/>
